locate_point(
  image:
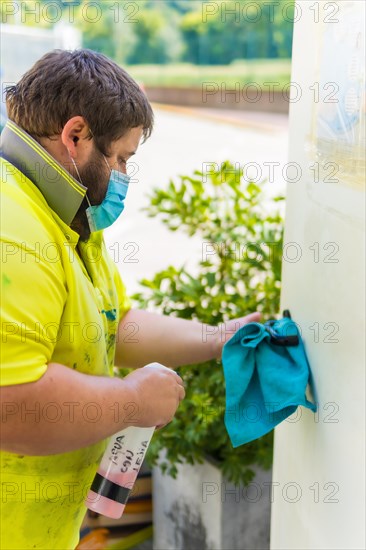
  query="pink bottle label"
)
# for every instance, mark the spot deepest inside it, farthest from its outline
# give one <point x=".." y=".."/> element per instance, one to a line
<point x="118" y="470"/>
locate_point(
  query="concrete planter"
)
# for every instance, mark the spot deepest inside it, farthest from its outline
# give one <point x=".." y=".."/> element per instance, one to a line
<point x="201" y="510"/>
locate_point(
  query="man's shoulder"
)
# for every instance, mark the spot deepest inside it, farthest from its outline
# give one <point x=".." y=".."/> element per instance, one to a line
<point x="25" y="215"/>
<point x="17" y="187"/>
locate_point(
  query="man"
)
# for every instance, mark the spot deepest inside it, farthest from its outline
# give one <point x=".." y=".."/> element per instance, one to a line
<point x="75" y="119"/>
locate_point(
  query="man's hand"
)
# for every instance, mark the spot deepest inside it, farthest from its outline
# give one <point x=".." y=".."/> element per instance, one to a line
<point x="158" y="392"/>
<point x="226" y="330"/>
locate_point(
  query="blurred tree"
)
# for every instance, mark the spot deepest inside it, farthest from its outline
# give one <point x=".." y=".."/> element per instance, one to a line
<point x="150" y="46"/>
<point x="149" y="31"/>
<point x="131" y="33"/>
<point x="238" y="30"/>
<point x="97" y="26"/>
<point x="193" y="31"/>
<point x="180" y="5"/>
<point x="31" y="13"/>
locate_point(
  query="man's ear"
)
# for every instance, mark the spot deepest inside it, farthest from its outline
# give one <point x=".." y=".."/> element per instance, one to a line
<point x="74" y="134"/>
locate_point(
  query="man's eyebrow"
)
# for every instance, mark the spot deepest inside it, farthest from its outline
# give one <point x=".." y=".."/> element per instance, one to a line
<point x="131" y="154"/>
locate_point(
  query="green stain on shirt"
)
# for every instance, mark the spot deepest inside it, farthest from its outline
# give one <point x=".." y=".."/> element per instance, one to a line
<point x="111" y="314"/>
<point x="6" y="281"/>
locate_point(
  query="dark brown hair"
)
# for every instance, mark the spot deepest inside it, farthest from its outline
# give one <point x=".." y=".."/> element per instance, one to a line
<point x="63" y="84"/>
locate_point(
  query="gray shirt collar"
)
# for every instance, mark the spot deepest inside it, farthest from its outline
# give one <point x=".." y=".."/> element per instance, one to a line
<point x="63" y="193"/>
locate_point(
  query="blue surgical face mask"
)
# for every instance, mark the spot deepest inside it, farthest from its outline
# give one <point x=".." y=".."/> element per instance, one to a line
<point x="107" y="212"/>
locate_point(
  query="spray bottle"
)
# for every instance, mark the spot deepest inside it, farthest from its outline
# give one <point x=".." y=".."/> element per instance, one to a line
<point x="118" y="469"/>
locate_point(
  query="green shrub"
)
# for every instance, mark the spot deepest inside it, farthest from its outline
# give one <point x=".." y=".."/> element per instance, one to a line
<point x="239" y="273"/>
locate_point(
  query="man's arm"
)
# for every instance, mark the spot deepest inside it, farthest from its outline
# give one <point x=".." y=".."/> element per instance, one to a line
<point x="66" y="410"/>
<point x="144" y="336"/>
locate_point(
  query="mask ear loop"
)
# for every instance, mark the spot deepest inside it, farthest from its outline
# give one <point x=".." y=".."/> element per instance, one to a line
<point x="78" y="173"/>
<point x="105" y="160"/>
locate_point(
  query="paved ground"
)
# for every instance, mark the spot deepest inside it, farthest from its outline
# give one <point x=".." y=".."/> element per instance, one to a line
<point x="266" y="122"/>
<point x="182" y="141"/>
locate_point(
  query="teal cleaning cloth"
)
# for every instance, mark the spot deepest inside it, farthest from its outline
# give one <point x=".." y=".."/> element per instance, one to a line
<point x="266" y="374"/>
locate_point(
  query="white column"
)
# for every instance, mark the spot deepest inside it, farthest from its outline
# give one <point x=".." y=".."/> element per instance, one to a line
<point x="319" y="460"/>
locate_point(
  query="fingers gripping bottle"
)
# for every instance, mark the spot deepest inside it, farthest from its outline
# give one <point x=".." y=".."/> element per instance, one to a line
<point x="118" y="469"/>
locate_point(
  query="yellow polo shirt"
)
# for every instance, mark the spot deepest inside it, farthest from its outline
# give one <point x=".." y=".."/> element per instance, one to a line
<point x="61" y="301"/>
